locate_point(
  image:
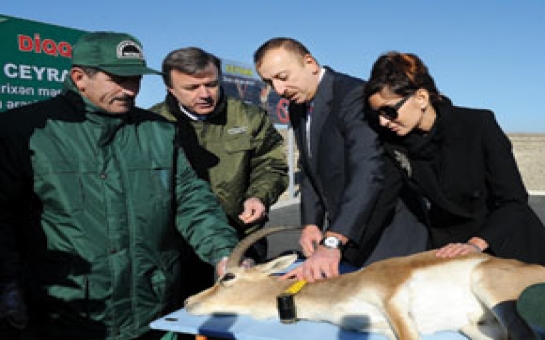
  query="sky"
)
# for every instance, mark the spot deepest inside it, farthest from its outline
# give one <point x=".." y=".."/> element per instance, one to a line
<point x="481" y="53"/>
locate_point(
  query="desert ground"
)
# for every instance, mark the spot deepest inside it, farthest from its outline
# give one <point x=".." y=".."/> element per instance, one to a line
<point x="529" y="150"/>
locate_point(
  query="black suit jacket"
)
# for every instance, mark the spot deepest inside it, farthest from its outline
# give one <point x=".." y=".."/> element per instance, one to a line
<point x="341" y="176"/>
<point x="466" y="169"/>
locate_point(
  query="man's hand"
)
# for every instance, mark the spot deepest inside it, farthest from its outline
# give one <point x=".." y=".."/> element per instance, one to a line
<point x="310" y="238"/>
<point x="221" y="266"/>
<point x="324" y="263"/>
<point x="321" y="262"/>
<point x="254" y="210"/>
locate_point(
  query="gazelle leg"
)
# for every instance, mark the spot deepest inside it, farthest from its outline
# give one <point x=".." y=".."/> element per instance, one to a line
<point x="402" y="325"/>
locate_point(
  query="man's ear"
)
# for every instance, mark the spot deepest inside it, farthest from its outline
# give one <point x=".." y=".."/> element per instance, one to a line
<point x="78" y="77"/>
<point x="309" y="60"/>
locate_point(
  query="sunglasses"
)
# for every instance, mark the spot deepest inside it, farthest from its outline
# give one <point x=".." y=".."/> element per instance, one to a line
<point x="392" y="112"/>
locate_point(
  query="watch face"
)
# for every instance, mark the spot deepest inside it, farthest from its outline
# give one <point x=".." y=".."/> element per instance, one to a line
<point x="332" y="242"/>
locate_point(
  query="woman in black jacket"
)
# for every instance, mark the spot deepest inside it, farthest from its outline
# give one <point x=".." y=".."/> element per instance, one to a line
<point x="458" y="160"/>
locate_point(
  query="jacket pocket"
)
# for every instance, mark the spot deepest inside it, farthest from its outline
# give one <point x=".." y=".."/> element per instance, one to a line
<point x="159" y="284"/>
<point x="238" y="144"/>
<point x="150" y="181"/>
<point x="164" y="279"/>
<point x="161" y="172"/>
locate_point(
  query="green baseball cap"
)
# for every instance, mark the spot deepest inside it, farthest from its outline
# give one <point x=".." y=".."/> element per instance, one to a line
<point x="531" y="304"/>
<point x="116" y="53"/>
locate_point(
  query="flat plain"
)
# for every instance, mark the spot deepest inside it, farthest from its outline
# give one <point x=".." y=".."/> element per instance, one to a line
<point x="529" y="151"/>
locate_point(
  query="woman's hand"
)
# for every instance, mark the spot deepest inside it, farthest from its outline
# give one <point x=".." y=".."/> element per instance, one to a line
<point x="458" y="249"/>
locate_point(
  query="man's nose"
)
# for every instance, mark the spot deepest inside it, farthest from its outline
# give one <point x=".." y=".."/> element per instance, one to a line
<point x="279" y="88"/>
<point x="203" y="91"/>
<point x="131" y="87"/>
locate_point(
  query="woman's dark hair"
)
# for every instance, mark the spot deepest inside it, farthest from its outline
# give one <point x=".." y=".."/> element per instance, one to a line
<point x="401" y="73"/>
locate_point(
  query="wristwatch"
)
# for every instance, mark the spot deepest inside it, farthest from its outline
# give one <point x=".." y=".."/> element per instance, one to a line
<point x="331" y="242"/>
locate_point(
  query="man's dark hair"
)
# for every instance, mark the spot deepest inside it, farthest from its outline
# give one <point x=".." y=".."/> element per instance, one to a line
<point x="189" y="60"/>
<point x="89" y="70"/>
<point x="289" y="44"/>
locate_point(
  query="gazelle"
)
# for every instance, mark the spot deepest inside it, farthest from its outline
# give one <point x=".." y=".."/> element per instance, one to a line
<point x="401" y="297"/>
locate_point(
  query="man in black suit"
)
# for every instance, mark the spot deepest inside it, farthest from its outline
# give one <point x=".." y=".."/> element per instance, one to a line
<point x="341" y="165"/>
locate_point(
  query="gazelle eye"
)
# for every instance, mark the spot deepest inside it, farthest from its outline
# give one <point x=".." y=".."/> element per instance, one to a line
<point x="227" y="277"/>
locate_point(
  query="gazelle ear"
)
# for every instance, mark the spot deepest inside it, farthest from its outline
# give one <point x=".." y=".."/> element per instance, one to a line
<point x="277" y="265"/>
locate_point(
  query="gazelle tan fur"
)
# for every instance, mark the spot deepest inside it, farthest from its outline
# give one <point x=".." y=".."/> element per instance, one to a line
<point x="401" y="298"/>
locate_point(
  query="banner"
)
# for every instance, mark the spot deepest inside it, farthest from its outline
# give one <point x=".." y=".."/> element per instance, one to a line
<point x="242" y="81"/>
<point x="36" y="57"/>
<point x="34" y="61"/>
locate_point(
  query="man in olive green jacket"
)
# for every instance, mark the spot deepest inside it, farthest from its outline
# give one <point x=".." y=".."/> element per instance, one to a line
<point x="232" y="145"/>
<point x="96" y="206"/>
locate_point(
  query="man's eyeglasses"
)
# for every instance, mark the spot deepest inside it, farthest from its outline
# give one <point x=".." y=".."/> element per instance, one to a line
<point x="392" y="112"/>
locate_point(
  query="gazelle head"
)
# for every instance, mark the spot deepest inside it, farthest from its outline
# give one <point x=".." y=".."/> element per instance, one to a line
<point x="245" y="290"/>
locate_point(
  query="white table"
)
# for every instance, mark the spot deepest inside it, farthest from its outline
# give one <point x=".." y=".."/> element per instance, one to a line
<point x="246" y="328"/>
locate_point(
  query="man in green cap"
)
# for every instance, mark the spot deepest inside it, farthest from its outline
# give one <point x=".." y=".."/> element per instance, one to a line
<point x="96" y="204"/>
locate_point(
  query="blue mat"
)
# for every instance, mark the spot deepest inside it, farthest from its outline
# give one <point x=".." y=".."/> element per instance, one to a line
<point x="246" y="328"/>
